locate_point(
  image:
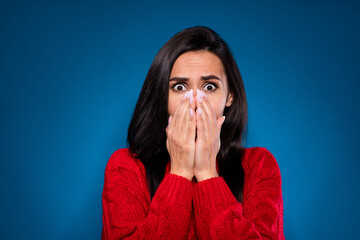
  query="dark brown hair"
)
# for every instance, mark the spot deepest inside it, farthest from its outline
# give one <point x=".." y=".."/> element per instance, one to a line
<point x="146" y="134"/>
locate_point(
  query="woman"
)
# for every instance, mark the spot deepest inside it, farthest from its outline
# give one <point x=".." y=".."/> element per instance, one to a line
<point x="181" y="177"/>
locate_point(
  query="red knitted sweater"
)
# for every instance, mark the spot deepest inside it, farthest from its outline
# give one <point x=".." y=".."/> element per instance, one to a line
<point x="183" y="209"/>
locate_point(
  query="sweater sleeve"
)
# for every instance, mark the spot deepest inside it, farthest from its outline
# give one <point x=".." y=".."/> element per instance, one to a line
<point x="128" y="212"/>
<point x="218" y="214"/>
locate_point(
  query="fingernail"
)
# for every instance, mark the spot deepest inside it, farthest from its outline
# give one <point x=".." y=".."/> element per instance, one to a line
<point x="191" y="96"/>
<point x="199" y="111"/>
<point x="191" y="112"/>
<point x="186" y="95"/>
<point x="198" y="98"/>
<point x="169" y="120"/>
<point x="202" y="94"/>
<point x="198" y="92"/>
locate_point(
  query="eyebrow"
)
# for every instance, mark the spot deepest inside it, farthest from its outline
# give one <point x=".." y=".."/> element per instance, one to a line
<point x="204" y="78"/>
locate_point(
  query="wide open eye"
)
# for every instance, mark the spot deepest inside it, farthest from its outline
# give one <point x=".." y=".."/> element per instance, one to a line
<point x="210" y="87"/>
<point x="179" y="87"/>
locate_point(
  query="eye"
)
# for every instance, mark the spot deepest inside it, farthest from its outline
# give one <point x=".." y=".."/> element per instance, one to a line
<point x="210" y="87"/>
<point x="179" y="87"/>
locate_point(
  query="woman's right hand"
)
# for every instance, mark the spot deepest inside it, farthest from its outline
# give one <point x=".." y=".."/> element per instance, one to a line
<point x="180" y="141"/>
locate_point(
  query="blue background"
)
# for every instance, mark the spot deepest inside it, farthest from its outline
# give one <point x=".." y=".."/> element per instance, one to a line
<point x="71" y="73"/>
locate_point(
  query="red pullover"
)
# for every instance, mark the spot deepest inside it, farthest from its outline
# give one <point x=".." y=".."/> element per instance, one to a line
<point x="183" y="209"/>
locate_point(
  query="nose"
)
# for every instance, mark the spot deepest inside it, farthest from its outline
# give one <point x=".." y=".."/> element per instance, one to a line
<point x="195" y="91"/>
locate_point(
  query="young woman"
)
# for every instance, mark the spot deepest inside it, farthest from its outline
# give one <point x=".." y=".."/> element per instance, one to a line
<point x="185" y="174"/>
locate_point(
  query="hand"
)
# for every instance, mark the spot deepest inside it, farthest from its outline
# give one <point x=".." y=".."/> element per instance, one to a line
<point x="180" y="141"/>
<point x="207" y="143"/>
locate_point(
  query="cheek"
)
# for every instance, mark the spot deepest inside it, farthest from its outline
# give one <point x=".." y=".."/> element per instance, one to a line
<point x="218" y="105"/>
<point x="171" y="109"/>
<point x="173" y="103"/>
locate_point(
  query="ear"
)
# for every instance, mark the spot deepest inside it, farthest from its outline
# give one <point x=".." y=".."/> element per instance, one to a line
<point x="229" y="100"/>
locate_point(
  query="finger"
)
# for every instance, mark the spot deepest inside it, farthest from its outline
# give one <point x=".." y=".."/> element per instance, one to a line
<point x="191" y="128"/>
<point x="208" y="107"/>
<point x="191" y="133"/>
<point x="208" y="124"/>
<point x="187" y="113"/>
<point x="169" y="124"/>
<point x="184" y="128"/>
<point x="175" y="118"/>
<point x="198" y="99"/>
<point x="168" y="145"/>
<point x="200" y="126"/>
<point x="182" y="119"/>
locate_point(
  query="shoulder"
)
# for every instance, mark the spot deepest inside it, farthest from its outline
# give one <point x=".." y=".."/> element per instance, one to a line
<point x="257" y="159"/>
<point x="124" y="171"/>
<point x="122" y="160"/>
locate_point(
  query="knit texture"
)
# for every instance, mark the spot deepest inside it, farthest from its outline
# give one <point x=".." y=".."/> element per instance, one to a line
<point x="183" y="209"/>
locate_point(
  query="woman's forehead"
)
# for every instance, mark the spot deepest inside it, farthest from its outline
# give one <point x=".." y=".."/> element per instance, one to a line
<point x="196" y="64"/>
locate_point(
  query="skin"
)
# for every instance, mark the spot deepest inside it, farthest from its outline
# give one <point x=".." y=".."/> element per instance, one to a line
<point x="193" y="132"/>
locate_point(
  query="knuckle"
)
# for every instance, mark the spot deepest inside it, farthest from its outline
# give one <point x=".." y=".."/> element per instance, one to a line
<point x="176" y="141"/>
<point x="170" y="136"/>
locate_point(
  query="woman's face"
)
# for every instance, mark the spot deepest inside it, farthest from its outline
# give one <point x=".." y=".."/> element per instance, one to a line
<point x="201" y="70"/>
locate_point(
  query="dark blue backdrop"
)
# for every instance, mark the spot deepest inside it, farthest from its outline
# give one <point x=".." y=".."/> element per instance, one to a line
<point x="71" y="73"/>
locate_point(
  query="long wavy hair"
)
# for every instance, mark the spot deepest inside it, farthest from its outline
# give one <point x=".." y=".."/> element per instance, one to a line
<point x="146" y="134"/>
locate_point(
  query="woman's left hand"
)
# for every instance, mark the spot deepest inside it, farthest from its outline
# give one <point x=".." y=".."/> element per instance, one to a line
<point x="207" y="143"/>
